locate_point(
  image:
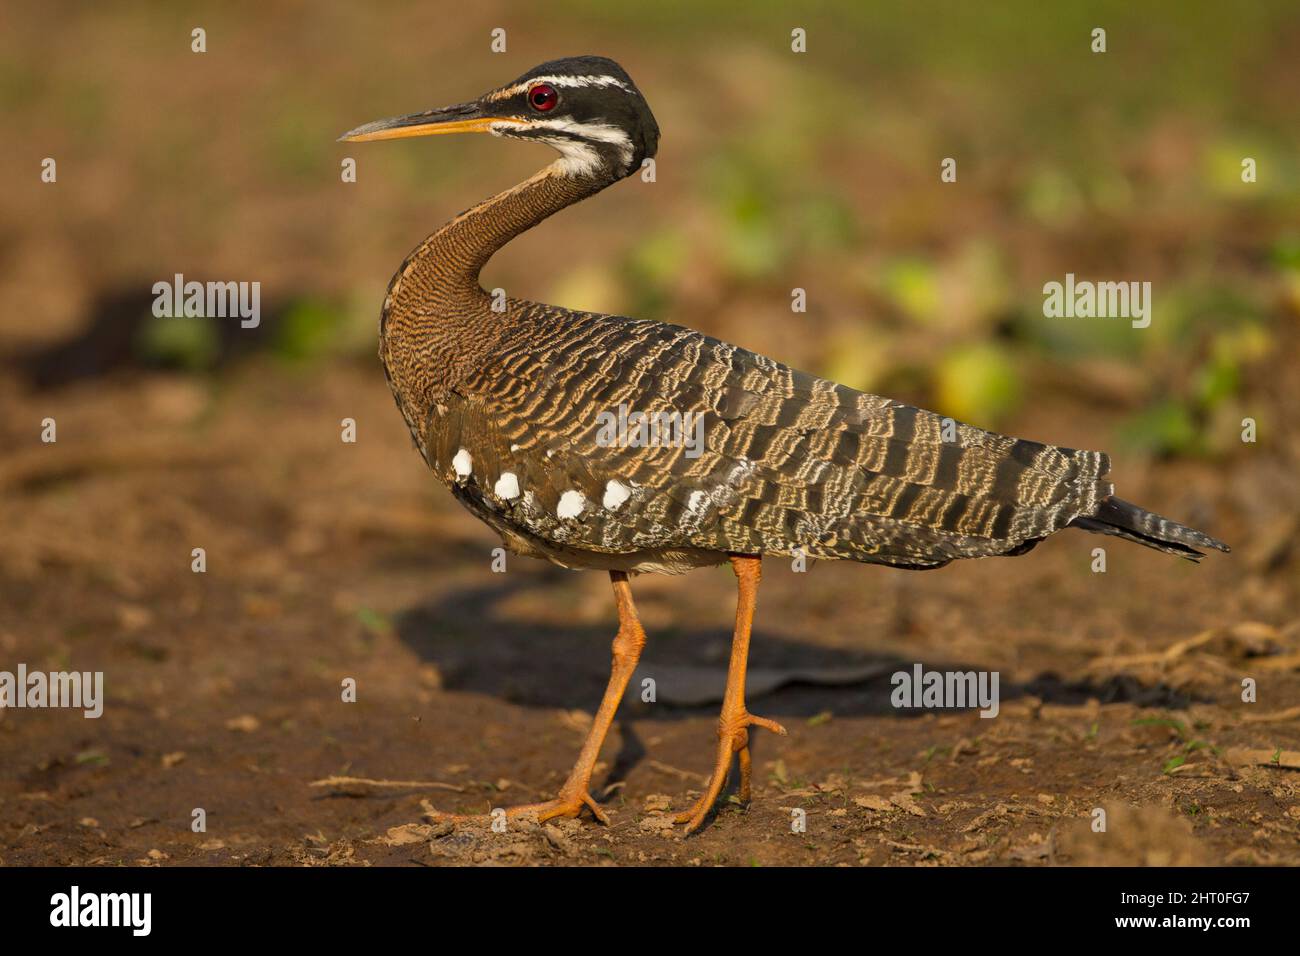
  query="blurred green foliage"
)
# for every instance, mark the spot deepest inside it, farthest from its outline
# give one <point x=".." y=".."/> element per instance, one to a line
<point x="979" y="382"/>
<point x="181" y="342"/>
<point x="650" y="270"/>
<point x="777" y="170"/>
<point x="310" y="329"/>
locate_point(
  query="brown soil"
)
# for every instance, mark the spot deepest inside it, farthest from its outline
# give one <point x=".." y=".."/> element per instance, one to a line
<point x="328" y="560"/>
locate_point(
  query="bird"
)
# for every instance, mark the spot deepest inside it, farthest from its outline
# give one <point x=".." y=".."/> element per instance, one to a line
<point x="510" y="403"/>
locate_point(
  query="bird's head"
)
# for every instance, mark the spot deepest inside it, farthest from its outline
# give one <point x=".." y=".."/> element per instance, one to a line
<point x="587" y="107"/>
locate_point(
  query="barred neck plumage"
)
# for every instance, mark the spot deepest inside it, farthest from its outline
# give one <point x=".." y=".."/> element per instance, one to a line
<point x="437" y="322"/>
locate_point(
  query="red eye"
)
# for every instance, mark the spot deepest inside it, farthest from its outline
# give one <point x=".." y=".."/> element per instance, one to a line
<point x="542" y="97"/>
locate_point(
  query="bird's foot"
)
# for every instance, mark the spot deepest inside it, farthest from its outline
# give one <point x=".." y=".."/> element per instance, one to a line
<point x="568" y="803"/>
<point x="733" y="740"/>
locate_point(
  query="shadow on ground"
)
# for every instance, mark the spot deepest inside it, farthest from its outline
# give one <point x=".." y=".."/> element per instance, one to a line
<point x="478" y="648"/>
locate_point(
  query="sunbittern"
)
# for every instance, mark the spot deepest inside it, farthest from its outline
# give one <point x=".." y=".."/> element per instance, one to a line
<point x="507" y="408"/>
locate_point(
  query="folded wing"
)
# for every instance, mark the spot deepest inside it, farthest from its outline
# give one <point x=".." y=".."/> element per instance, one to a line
<point x="788" y="460"/>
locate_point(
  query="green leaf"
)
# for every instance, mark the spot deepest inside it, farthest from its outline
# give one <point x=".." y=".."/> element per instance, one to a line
<point x="978" y="384"/>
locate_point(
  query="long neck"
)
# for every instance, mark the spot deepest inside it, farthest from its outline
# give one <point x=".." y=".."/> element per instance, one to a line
<point x="438" y="323"/>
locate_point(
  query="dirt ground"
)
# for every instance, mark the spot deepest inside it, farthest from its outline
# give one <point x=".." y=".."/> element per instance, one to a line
<point x="328" y="560"/>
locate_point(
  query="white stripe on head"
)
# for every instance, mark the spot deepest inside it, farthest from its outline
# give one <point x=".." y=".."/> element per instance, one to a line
<point x="602" y="132"/>
<point x="561" y="81"/>
<point x="576" y="157"/>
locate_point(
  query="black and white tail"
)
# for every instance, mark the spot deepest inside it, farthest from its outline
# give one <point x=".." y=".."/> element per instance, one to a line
<point x="1118" y="517"/>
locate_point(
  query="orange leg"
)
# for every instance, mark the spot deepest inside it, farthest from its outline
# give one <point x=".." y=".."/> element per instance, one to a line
<point x="734" y="721"/>
<point x="574" y="794"/>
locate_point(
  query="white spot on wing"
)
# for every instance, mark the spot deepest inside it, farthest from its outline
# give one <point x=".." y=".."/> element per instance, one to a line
<point x="571" y="504"/>
<point x="696" y="502"/>
<point x="507" y="486"/>
<point x="615" y="494"/>
<point x="740" y="472"/>
<point x="463" y="463"/>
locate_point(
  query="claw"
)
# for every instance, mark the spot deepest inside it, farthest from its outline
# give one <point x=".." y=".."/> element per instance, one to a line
<point x="766" y="724"/>
<point x="733" y="740"/>
<point x="568" y="804"/>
